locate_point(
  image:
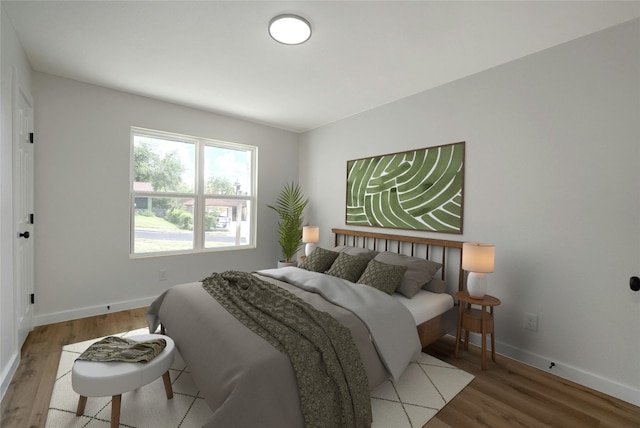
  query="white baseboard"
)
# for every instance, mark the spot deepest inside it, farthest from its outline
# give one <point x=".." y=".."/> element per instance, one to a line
<point x="91" y="311"/>
<point x="12" y="367"/>
<point x="606" y="386"/>
<point x="8" y="373"/>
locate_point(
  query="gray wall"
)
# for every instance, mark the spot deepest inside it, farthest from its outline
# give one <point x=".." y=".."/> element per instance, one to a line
<point x="552" y="155"/>
<point x="82" y="197"/>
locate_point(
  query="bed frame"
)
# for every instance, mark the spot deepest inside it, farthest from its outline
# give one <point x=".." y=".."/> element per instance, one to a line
<point x="438" y="250"/>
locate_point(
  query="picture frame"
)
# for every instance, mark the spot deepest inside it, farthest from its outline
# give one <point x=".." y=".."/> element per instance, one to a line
<point x="420" y="189"/>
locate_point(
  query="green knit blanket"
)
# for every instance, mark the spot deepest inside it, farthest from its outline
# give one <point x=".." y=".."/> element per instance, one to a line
<point x="332" y="382"/>
<point x="118" y="349"/>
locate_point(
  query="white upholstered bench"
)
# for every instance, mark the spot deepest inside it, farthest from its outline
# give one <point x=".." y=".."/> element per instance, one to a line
<point x="98" y="379"/>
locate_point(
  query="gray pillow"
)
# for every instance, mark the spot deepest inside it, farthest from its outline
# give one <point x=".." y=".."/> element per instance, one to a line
<point x="348" y="267"/>
<point x="356" y="251"/>
<point x="436" y="285"/>
<point x="419" y="271"/>
<point x="319" y="260"/>
<point x="382" y="276"/>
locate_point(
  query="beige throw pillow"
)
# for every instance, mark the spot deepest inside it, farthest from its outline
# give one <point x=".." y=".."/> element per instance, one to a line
<point x="436" y="285"/>
<point x="419" y="271"/>
<point x="356" y="251"/>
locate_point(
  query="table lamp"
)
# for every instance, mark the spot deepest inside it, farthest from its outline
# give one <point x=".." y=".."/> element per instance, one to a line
<point x="478" y="260"/>
<point x="310" y="236"/>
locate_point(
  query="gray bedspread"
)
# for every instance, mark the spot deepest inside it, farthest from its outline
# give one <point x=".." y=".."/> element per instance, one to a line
<point x="244" y="380"/>
<point x="391" y="325"/>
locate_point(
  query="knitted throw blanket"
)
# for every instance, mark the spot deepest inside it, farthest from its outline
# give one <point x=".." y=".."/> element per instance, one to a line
<point x="332" y="382"/>
<point x="118" y="349"/>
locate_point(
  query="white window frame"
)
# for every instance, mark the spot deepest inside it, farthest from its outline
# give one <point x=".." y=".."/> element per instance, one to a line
<point x="198" y="195"/>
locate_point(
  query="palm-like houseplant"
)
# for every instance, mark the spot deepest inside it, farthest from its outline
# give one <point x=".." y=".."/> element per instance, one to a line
<point x="289" y="206"/>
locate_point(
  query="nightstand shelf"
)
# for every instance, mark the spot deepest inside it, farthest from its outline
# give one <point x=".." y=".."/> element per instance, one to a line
<point x="476" y="320"/>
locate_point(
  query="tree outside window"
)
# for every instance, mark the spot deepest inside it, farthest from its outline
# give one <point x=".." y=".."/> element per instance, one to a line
<point x="190" y="194"/>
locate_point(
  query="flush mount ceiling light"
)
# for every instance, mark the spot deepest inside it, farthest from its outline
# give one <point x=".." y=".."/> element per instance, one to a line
<point x="290" y="29"/>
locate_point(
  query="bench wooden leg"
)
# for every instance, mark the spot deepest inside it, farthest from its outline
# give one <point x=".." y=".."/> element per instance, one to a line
<point x="167" y="385"/>
<point x="493" y="347"/>
<point x="115" y="410"/>
<point x="82" y="402"/>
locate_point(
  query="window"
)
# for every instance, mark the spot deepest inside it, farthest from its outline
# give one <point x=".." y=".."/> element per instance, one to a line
<point x="190" y="194"/>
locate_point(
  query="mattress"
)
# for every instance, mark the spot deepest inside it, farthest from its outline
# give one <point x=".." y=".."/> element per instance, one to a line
<point x="426" y="304"/>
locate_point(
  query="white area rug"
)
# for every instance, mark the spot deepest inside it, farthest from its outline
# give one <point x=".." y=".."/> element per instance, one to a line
<point x="426" y="387"/>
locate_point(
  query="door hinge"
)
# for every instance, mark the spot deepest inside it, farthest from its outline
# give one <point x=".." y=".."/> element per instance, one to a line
<point x="33" y="298"/>
<point x="31" y="137"/>
<point x="31" y="216"/>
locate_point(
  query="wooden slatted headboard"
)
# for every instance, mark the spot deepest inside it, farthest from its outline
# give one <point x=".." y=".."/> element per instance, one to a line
<point x="438" y="250"/>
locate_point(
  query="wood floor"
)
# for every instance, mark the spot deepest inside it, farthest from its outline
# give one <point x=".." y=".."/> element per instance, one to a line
<point x="508" y="394"/>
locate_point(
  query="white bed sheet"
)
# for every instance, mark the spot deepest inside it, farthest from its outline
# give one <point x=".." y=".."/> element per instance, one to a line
<point x="426" y="304"/>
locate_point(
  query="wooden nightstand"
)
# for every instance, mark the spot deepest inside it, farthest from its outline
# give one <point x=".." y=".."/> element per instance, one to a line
<point x="477" y="321"/>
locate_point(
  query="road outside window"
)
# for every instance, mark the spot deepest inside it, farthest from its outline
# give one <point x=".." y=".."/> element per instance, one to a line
<point x="190" y="194"/>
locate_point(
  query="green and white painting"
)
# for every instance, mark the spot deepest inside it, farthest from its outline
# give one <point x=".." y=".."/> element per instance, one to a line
<point x="418" y="189"/>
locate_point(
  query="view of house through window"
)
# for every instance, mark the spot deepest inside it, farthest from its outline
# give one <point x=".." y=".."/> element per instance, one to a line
<point x="190" y="194"/>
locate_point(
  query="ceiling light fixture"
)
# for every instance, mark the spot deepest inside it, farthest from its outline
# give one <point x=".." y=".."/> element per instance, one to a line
<point x="290" y="29"/>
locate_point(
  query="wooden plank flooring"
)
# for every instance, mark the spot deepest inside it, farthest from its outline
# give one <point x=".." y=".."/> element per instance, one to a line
<point x="512" y="394"/>
<point x="26" y="402"/>
<point x="508" y="394"/>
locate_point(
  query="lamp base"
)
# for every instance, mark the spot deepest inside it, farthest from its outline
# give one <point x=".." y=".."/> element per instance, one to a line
<point x="477" y="285"/>
<point x="308" y="249"/>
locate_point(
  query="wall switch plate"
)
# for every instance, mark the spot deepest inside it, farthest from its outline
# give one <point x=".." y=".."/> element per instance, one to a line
<point x="531" y="322"/>
<point x="162" y="274"/>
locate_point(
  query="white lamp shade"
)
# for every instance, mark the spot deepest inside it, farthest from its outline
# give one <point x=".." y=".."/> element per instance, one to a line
<point x="310" y="234"/>
<point x="477" y="257"/>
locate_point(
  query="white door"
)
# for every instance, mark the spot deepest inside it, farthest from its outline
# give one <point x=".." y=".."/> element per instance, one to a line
<point x="23" y="210"/>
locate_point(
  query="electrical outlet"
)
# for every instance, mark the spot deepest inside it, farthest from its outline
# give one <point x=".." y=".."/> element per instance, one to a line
<point x="162" y="274"/>
<point x="531" y="322"/>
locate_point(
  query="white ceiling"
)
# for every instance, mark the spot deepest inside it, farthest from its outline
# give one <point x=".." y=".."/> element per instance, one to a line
<point x="218" y="56"/>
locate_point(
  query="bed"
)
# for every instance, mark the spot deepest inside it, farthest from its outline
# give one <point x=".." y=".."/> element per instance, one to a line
<point x="251" y="375"/>
<point x="439" y="318"/>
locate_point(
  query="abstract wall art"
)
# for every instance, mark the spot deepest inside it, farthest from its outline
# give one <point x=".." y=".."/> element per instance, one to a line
<point x="417" y="190"/>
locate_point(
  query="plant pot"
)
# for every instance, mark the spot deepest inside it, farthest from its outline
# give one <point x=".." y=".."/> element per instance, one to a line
<point x="285" y="264"/>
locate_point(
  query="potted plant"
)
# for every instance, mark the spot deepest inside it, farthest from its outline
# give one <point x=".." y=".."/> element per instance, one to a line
<point x="289" y="206"/>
